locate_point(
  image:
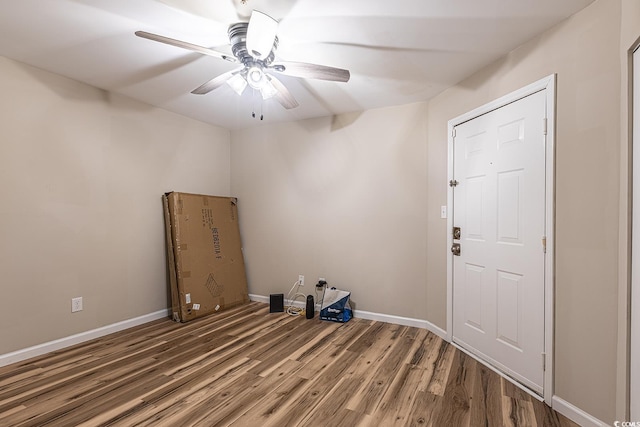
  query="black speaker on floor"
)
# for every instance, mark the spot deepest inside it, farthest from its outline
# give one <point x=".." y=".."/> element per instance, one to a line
<point x="276" y="303"/>
<point x="310" y="307"/>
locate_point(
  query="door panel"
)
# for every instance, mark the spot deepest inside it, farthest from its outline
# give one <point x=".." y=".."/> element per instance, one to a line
<point x="473" y="296"/>
<point x="499" y="204"/>
<point x="509" y="286"/>
<point x="509" y="208"/>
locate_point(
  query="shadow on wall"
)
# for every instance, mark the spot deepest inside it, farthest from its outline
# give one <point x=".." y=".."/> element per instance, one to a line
<point x="64" y="87"/>
<point x="511" y="61"/>
<point x="68" y="89"/>
<point x="341" y="121"/>
<point x="338" y="121"/>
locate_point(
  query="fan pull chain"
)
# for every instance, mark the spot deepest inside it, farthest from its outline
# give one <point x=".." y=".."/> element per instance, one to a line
<point x="253" y="106"/>
<point x="253" y="103"/>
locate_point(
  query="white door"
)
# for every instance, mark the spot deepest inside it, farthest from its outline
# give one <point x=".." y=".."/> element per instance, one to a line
<point x="499" y="206"/>
<point x="635" y="251"/>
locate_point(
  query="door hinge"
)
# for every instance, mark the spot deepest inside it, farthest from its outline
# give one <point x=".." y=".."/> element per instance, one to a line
<point x="544" y="361"/>
<point x="544" y="244"/>
<point x="453" y="183"/>
<point x="453" y="132"/>
<point x="544" y="126"/>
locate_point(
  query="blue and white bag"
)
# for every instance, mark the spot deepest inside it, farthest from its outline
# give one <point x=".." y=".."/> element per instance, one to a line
<point x="335" y="305"/>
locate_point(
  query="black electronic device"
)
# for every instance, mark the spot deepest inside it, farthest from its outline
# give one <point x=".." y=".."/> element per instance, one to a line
<point x="310" y="310"/>
<point x="276" y="303"/>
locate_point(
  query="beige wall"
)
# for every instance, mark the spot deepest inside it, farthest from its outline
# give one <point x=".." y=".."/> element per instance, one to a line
<point x="356" y="199"/>
<point x="81" y="174"/>
<point x="340" y="198"/>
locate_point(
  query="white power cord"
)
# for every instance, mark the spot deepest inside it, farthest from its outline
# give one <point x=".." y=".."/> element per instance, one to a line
<point x="292" y="297"/>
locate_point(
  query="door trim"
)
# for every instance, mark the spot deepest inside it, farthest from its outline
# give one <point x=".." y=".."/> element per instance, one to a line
<point x="634" y="352"/>
<point x="548" y="84"/>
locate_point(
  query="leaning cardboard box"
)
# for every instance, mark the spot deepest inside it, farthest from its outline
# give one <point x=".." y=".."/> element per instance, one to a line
<point x="204" y="255"/>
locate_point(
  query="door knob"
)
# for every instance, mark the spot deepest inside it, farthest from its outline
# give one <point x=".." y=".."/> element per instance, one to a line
<point x="455" y="249"/>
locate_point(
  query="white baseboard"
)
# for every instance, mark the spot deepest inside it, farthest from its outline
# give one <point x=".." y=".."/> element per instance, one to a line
<point x="380" y="317"/>
<point x="399" y="320"/>
<point x="258" y="298"/>
<point x="576" y="414"/>
<point x="40" y="349"/>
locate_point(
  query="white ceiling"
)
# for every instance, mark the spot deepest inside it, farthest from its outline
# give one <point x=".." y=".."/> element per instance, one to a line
<point x="398" y="51"/>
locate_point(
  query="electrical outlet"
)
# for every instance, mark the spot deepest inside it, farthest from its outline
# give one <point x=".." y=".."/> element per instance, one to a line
<point x="301" y="280"/>
<point x="76" y="304"/>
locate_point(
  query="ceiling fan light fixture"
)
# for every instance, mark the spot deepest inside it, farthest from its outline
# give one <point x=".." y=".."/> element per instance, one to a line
<point x="255" y="77"/>
<point x="237" y="83"/>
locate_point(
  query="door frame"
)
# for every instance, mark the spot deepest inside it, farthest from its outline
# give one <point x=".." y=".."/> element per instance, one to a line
<point x="548" y="84"/>
<point x="634" y="352"/>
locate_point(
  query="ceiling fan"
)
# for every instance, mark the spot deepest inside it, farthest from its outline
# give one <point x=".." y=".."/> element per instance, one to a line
<point x="253" y="45"/>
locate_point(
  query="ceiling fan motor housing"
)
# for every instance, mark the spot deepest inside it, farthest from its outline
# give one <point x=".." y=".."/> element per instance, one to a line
<point x="238" y="39"/>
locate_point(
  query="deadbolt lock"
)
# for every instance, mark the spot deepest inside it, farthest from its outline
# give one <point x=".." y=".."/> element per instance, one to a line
<point x="455" y="249"/>
<point x="456" y="233"/>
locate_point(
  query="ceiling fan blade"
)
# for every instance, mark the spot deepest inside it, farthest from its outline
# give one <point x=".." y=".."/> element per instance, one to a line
<point x="185" y="45"/>
<point x="261" y="34"/>
<point x="215" y="82"/>
<point x="219" y="11"/>
<point x="283" y="96"/>
<point x="311" y="71"/>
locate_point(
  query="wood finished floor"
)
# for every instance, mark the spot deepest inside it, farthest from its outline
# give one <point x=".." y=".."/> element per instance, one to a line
<point x="247" y="367"/>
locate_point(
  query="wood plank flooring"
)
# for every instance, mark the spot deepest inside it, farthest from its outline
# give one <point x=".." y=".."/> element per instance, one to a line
<point x="249" y="367"/>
